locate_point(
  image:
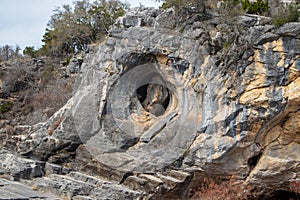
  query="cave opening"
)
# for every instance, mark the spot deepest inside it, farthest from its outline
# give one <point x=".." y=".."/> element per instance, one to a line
<point x="154" y="98"/>
<point x="252" y="162"/>
<point x="142" y="93"/>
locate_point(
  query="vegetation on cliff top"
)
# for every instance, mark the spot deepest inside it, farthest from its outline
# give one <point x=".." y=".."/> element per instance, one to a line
<point x="71" y="28"/>
<point x="280" y="12"/>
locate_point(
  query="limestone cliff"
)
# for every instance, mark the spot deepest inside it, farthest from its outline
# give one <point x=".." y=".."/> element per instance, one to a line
<point x="156" y="109"/>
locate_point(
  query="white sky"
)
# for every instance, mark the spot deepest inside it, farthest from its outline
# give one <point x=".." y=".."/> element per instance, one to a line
<point x="23" y="22"/>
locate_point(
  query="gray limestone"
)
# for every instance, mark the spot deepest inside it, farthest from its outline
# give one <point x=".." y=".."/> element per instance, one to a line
<point x="232" y="109"/>
<point x="11" y="190"/>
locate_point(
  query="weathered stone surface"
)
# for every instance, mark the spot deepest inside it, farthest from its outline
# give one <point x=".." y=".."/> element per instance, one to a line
<point x="74" y="65"/>
<point x="290" y="29"/>
<point x="229" y="105"/>
<point x="20" y="168"/>
<point x="80" y="186"/>
<point x="254" y="20"/>
<point x="11" y="190"/>
<point x="51" y="168"/>
<point x="138" y="17"/>
<point x="257" y="32"/>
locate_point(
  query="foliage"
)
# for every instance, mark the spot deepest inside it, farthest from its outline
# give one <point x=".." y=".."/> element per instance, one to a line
<point x="104" y="14"/>
<point x="8" y="52"/>
<point x="259" y="7"/>
<point x="30" y="51"/>
<point x="16" y="78"/>
<point x="232" y="3"/>
<point x="35" y="91"/>
<point x="226" y="190"/>
<point x="71" y="29"/>
<point x="194" y="6"/>
<point x="285" y="15"/>
<point x="5" y="107"/>
<point x="229" y="9"/>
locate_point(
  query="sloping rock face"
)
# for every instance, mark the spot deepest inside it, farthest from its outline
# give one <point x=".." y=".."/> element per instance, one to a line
<point x="156" y="110"/>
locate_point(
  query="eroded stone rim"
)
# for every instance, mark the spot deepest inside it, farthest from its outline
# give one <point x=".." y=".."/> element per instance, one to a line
<point x="166" y="140"/>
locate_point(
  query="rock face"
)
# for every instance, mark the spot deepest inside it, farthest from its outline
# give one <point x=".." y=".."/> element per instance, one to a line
<point x="155" y="110"/>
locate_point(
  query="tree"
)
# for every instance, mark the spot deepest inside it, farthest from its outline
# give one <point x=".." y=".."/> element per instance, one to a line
<point x="104" y="13"/>
<point x="17" y="50"/>
<point x="8" y="52"/>
<point x="70" y="30"/>
<point x="29" y="51"/>
<point x="5" y="52"/>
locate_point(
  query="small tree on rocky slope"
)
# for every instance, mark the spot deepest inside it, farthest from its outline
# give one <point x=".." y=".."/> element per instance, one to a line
<point x="71" y="29"/>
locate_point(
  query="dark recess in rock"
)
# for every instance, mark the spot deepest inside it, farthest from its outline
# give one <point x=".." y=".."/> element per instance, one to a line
<point x="252" y="162"/>
<point x="145" y="95"/>
<point x="282" y="195"/>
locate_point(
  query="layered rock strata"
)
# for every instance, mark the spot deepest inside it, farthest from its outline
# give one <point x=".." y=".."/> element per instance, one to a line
<point x="155" y="110"/>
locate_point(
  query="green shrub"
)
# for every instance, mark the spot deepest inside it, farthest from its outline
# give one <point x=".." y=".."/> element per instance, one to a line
<point x="293" y="13"/>
<point x="258" y="7"/>
<point x="30" y="51"/>
<point x="5" y="107"/>
<point x="279" y="21"/>
<point x="71" y="28"/>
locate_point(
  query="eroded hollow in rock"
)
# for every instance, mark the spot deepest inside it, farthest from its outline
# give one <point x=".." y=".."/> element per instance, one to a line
<point x="252" y="162"/>
<point x="154" y="98"/>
